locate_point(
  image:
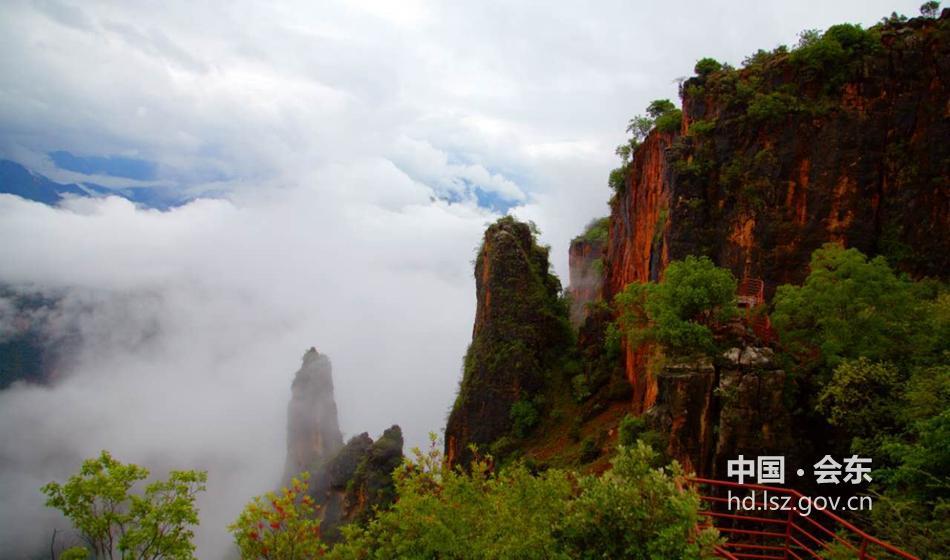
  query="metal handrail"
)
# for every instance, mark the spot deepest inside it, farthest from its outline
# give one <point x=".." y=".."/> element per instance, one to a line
<point x="793" y="528"/>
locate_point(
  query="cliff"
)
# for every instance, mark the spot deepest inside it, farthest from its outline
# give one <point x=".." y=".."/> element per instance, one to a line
<point x="709" y="411"/>
<point x="520" y="329"/>
<point x="357" y="480"/>
<point x="586" y="265"/>
<point x="313" y="430"/>
<point x="347" y="481"/>
<point x="841" y="139"/>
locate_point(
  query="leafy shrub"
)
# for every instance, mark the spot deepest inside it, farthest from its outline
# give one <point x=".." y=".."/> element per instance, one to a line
<point x="707" y="66"/>
<point x="589" y="450"/>
<point x="636" y="511"/>
<point x="618" y="180"/>
<point x="860" y="395"/>
<point x="629" y="430"/>
<point x="524" y="417"/>
<point x="930" y="9"/>
<point x="580" y="387"/>
<point x="596" y="230"/>
<point x="280" y="525"/>
<point x="772" y="107"/>
<point x="633" y="511"/>
<point x="660" y="107"/>
<point x="670" y="121"/>
<point x="639" y="127"/>
<point x="702" y="127"/>
<point x="834" y="55"/>
<point x="873" y="346"/>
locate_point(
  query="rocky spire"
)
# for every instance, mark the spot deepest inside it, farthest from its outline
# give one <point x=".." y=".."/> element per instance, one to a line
<point x="313" y="430"/>
<point x="520" y="328"/>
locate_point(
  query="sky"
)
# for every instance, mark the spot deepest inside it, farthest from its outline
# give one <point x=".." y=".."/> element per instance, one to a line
<point x="356" y="150"/>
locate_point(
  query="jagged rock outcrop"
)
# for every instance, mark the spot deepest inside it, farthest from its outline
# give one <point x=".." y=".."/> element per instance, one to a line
<point x="520" y="327"/>
<point x="347" y="481"/>
<point x="791" y="152"/>
<point x="684" y="411"/>
<point x="710" y="411"/>
<point x="586" y="269"/>
<point x="753" y="415"/>
<point x="313" y="429"/>
<point x="357" y="480"/>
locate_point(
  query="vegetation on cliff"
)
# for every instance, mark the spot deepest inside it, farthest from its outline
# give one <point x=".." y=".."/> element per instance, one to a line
<point x="871" y="354"/>
<point x="596" y="231"/>
<point x="521" y="335"/>
<point x="635" y="511"/>
<point x="681" y="311"/>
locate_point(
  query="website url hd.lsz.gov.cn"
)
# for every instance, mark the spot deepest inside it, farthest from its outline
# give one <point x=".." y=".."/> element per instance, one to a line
<point x="756" y="500"/>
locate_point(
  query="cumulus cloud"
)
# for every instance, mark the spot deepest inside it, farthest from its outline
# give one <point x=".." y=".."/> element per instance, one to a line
<point x="335" y="131"/>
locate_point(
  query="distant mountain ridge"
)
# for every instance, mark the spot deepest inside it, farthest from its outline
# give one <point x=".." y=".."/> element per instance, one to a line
<point x="20" y="181"/>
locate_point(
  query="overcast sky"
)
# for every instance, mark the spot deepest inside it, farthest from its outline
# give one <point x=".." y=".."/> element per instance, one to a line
<point x="345" y="142"/>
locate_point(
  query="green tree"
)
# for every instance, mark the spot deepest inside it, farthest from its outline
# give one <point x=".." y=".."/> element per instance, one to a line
<point x="634" y="511"/>
<point x="679" y="311"/>
<point x="873" y="346"/>
<point x="524" y="417"/>
<point x="280" y="525"/>
<point x="930" y="9"/>
<point x="707" y="66"/>
<point x="117" y="523"/>
<point x="453" y="513"/>
<point x="862" y="397"/>
<point x="659" y="107"/>
<point x="639" y="127"/>
<point x="849" y="307"/>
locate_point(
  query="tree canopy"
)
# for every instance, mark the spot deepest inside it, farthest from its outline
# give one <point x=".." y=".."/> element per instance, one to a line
<point x="115" y="522"/>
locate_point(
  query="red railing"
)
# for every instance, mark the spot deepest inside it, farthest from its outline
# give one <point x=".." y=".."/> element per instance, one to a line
<point x="751" y="292"/>
<point x="750" y="295"/>
<point x="782" y="535"/>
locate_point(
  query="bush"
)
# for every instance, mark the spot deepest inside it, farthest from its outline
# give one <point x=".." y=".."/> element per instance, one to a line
<point x="671" y="121"/>
<point x="636" y="511"/>
<point x="597" y="230"/>
<point x="280" y="525"/>
<point x="659" y="107"/>
<point x="633" y="511"/>
<point x="772" y="107"/>
<point x="629" y="430"/>
<point x="702" y="127"/>
<point x="930" y="9"/>
<point x="707" y="66"/>
<point x="851" y="307"/>
<point x="524" y="417"/>
<point x="618" y="180"/>
<point x="834" y="56"/>
<point x="861" y="396"/>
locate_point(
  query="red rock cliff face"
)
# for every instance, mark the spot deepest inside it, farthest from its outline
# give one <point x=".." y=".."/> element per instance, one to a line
<point x="865" y="163"/>
<point x="637" y="248"/>
<point x="520" y="328"/>
<point x="585" y="261"/>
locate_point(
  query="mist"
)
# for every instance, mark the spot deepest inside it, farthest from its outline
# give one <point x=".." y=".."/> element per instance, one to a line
<point x="192" y="322"/>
